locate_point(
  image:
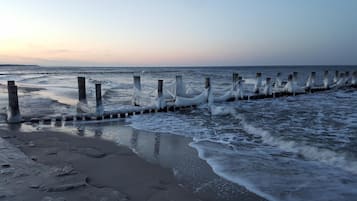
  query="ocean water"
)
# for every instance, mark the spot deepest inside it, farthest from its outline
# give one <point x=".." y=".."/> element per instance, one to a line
<point x="291" y="148"/>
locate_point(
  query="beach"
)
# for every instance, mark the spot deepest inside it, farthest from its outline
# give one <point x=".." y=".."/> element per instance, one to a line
<point x="52" y="165"/>
<point x="284" y="148"/>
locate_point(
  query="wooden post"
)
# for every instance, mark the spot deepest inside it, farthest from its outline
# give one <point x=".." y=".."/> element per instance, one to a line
<point x="336" y="77"/>
<point x="98" y="94"/>
<point x="311" y="81"/>
<point x="14" y="115"/>
<point x="207" y="83"/>
<point x="258" y="83"/>
<point x="267" y="88"/>
<point x="347" y="78"/>
<point x="160" y="85"/>
<point x="82" y="89"/>
<point x="235" y="77"/>
<point x="326" y="80"/>
<point x="11" y="83"/>
<point x="137" y="90"/>
<point x="208" y="87"/>
<point x="179" y="85"/>
<point x="354" y="79"/>
<point x="278" y="83"/>
<point x="295" y="78"/>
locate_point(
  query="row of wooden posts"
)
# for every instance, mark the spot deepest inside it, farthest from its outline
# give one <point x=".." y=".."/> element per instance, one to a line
<point x="15" y="117"/>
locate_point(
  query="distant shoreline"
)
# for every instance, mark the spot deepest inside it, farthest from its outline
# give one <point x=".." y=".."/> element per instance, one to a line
<point x="30" y="65"/>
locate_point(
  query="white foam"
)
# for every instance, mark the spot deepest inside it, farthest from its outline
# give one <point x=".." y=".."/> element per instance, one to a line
<point x="313" y="153"/>
<point x="220" y="170"/>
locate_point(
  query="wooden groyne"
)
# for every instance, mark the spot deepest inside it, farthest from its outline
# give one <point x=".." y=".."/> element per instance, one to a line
<point x="268" y="90"/>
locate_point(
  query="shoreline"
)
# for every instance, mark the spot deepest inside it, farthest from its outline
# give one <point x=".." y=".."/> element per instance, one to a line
<point x="142" y="174"/>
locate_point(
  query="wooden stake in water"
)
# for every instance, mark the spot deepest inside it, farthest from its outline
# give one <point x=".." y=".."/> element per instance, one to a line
<point x="98" y="94"/>
<point x="13" y="114"/>
<point x="160" y="98"/>
<point x="326" y="80"/>
<point x="208" y="87"/>
<point x="258" y="83"/>
<point x="160" y="86"/>
<point x="278" y="83"/>
<point x="336" y="77"/>
<point x="179" y="86"/>
<point x="354" y="79"/>
<point x="311" y="81"/>
<point x="137" y="90"/>
<point x="82" y="89"/>
<point x="235" y="77"/>
<point x="267" y="88"/>
<point x="295" y="78"/>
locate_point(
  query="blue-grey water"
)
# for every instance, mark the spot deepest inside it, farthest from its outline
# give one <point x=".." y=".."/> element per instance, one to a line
<point x="291" y="148"/>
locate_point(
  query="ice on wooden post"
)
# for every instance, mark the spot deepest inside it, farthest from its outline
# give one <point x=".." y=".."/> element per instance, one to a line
<point x="311" y="81"/>
<point x="258" y="83"/>
<point x="160" y="102"/>
<point x="199" y="99"/>
<point x="354" y="78"/>
<point x="13" y="113"/>
<point x="82" y="90"/>
<point x="347" y="78"/>
<point x="137" y="91"/>
<point x="326" y="80"/>
<point x="295" y="78"/>
<point x="278" y="83"/>
<point x="240" y="88"/>
<point x="267" y="87"/>
<point x="235" y="81"/>
<point x="210" y="98"/>
<point x="341" y="80"/>
<point x="180" y="91"/>
<point x="336" y="77"/>
<point x="289" y="87"/>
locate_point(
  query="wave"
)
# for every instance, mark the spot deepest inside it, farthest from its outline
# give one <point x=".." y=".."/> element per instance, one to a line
<point x="325" y="156"/>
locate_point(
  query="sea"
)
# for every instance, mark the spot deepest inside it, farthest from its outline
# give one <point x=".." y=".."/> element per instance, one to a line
<point x="289" y="148"/>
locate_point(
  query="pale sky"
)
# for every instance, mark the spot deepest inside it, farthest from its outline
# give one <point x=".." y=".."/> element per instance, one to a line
<point x="178" y="32"/>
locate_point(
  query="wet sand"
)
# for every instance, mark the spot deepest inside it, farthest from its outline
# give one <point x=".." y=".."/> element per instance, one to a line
<point x="60" y="166"/>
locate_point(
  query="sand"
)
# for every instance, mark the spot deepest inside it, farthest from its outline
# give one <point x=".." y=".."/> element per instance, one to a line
<point x="52" y="165"/>
<point x="65" y="167"/>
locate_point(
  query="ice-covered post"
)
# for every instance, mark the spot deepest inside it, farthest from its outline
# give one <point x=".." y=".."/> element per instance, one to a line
<point x="258" y="83"/>
<point x="347" y="78"/>
<point x="289" y="87"/>
<point x="336" y="77"/>
<point x="277" y="83"/>
<point x="341" y="80"/>
<point x="295" y="78"/>
<point x="179" y="86"/>
<point x="160" y="97"/>
<point x="82" y="89"/>
<point x="98" y="94"/>
<point x="311" y="81"/>
<point x="208" y="88"/>
<point x="13" y="114"/>
<point x="354" y="78"/>
<point x="137" y="90"/>
<point x="267" y="88"/>
<point x="235" y="80"/>
<point x="326" y="81"/>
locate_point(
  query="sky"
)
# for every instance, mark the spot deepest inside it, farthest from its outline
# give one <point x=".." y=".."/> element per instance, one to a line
<point x="178" y="32"/>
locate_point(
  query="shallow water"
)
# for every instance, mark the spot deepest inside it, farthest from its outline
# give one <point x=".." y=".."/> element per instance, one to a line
<point x="292" y="148"/>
